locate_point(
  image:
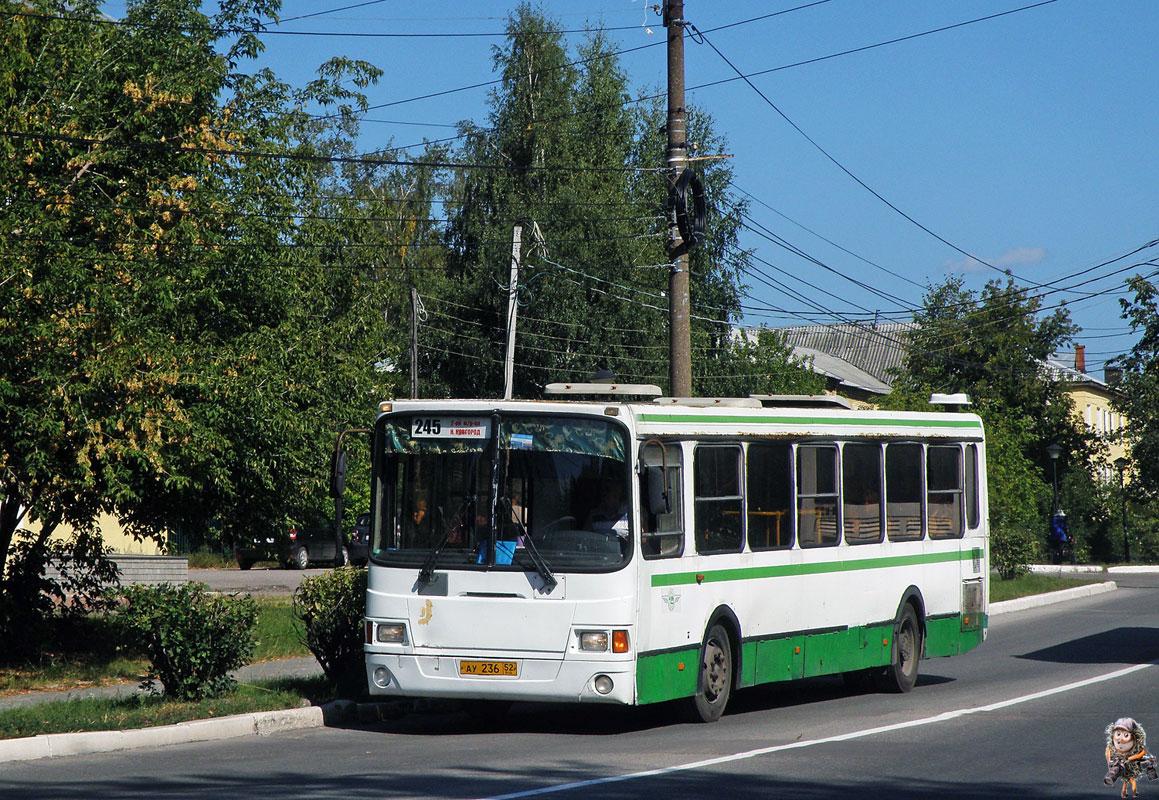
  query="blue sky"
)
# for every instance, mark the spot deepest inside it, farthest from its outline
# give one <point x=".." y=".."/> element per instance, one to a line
<point x="1028" y="140"/>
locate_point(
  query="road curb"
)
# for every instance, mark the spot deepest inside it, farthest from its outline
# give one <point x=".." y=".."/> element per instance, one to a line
<point x="259" y="723"/>
<point x="1066" y="569"/>
<point x="1048" y="598"/>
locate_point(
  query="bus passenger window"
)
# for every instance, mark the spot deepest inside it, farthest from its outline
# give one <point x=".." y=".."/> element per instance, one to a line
<point x="903" y="492"/>
<point x="944" y="488"/>
<point x="972" y="486"/>
<point x="769" y="489"/>
<point x="816" y="495"/>
<point x="662" y="535"/>
<point x="861" y="489"/>
<point x="716" y="473"/>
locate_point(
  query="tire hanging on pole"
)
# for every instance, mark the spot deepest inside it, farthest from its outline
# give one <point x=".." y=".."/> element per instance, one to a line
<point x="691" y="227"/>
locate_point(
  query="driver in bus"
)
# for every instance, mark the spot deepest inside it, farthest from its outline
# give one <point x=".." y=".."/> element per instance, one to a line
<point x="611" y="513"/>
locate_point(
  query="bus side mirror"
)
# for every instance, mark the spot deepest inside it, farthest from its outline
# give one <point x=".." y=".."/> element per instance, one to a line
<point x="657" y="494"/>
<point x="338" y="474"/>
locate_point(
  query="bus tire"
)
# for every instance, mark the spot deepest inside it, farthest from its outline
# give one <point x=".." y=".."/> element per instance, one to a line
<point x="714" y="683"/>
<point x="901" y="675"/>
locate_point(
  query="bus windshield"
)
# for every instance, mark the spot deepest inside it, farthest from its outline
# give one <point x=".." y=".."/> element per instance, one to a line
<point x="490" y="491"/>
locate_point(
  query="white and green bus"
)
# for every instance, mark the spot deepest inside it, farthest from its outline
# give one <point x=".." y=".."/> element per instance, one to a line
<point x="623" y="550"/>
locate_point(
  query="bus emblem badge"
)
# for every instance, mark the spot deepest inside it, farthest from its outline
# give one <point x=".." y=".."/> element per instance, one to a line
<point x="670" y="599"/>
<point x="427" y="612"/>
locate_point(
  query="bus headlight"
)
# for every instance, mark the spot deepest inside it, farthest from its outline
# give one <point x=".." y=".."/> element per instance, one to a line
<point x="382" y="677"/>
<point x="603" y="684"/>
<point x="594" y="641"/>
<point x="390" y="633"/>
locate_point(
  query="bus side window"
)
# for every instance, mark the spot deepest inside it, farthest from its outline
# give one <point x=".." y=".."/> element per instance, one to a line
<point x="861" y="489"/>
<point x="769" y="489"/>
<point x="716" y="476"/>
<point x="903" y="492"/>
<point x="662" y="535"/>
<point x="944" y="492"/>
<point x="817" y="495"/>
<point x="972" y="486"/>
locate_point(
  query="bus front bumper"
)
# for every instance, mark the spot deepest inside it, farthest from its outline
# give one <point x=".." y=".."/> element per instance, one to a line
<point x="535" y="679"/>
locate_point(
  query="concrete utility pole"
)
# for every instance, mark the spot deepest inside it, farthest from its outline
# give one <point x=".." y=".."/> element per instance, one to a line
<point x="679" y="324"/>
<point x="512" y="306"/>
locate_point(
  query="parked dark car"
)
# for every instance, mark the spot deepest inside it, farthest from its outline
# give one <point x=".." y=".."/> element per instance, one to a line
<point x="299" y="547"/>
<point x="358" y="542"/>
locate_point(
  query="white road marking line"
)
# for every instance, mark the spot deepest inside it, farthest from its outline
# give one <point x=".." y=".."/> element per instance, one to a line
<point x="842" y="737"/>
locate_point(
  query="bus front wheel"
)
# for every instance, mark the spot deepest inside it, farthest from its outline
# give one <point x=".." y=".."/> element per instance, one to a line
<point x="714" y="684"/>
<point x="901" y="675"/>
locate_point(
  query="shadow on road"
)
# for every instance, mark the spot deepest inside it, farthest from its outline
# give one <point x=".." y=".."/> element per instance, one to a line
<point x="500" y="780"/>
<point x="451" y="718"/>
<point x="1116" y="646"/>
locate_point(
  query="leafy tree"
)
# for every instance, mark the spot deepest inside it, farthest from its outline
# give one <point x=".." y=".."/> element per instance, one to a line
<point x="1139" y="401"/>
<point x="568" y="159"/>
<point x="746" y="366"/>
<point x="177" y="348"/>
<point x="993" y="345"/>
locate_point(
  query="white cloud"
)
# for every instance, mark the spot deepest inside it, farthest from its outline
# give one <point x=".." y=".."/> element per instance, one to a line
<point x="1014" y="257"/>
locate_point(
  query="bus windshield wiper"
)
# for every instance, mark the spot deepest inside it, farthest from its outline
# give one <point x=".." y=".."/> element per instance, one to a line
<point x="541" y="567"/>
<point x="427" y="573"/>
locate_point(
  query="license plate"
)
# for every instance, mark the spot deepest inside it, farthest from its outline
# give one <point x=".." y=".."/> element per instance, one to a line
<point x="505" y="668"/>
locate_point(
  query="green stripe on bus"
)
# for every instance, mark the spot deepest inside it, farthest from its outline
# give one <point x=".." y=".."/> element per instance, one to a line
<point x="755" y="573"/>
<point x="837" y="421"/>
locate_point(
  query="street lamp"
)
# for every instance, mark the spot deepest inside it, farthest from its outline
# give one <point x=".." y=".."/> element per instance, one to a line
<point x="1121" y="466"/>
<point x="1053" y="451"/>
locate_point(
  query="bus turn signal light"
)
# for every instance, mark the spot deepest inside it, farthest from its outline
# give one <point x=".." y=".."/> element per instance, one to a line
<point x="619" y="641"/>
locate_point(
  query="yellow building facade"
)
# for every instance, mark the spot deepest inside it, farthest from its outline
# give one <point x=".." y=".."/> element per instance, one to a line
<point x="1092" y="399"/>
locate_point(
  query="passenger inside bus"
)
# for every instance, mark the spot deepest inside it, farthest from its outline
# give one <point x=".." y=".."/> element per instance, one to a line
<point x="611" y="513"/>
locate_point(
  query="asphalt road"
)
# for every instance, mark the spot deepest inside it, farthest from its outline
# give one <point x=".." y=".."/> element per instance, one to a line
<point x="1022" y="716"/>
<point x="256" y="580"/>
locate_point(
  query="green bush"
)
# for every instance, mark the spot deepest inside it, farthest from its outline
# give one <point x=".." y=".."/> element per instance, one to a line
<point x="1012" y="550"/>
<point x="331" y="607"/>
<point x="192" y="639"/>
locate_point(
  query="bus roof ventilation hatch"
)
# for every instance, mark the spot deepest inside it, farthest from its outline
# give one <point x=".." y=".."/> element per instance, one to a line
<point x="952" y="402"/>
<point x="802" y="401"/>
<point x="709" y="402"/>
<point x="603" y="389"/>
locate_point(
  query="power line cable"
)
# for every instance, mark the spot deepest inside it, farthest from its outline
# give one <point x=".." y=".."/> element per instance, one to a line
<point x="304" y="157"/>
<point x="699" y="36"/>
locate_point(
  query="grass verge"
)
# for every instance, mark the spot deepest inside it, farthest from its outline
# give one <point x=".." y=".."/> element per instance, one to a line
<point x="146" y="711"/>
<point x="1026" y="585"/>
<point x="87" y="652"/>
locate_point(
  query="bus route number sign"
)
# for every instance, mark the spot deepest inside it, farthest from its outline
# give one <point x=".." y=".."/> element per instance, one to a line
<point x="449" y="427"/>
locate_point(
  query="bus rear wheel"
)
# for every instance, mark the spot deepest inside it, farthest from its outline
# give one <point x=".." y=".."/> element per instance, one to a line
<point x="714" y="683"/>
<point x="902" y="674"/>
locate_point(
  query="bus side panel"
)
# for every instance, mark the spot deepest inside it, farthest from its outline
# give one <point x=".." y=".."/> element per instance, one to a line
<point x="666" y="676"/>
<point x="780" y="659"/>
<point x="876" y="648"/>
<point x="826" y="653"/>
<point x="945" y="637"/>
